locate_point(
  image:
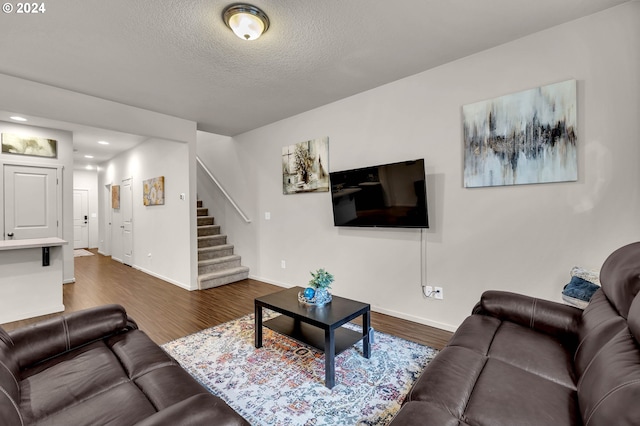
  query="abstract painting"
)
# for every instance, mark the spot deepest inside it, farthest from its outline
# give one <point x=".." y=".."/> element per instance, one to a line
<point x="304" y="167"/>
<point x="29" y="145"/>
<point x="115" y="196"/>
<point x="522" y="138"/>
<point x="153" y="191"/>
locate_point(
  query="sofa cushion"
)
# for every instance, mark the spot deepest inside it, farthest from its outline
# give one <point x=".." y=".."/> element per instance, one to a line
<point x="122" y="404"/>
<point x="505" y="395"/>
<point x="600" y="322"/>
<point x="449" y="379"/>
<point x="138" y="353"/>
<point x="476" y="333"/>
<point x="520" y="346"/>
<point x="620" y="277"/>
<point x="68" y="380"/>
<point x="197" y="410"/>
<point x="168" y="385"/>
<point x="534" y="352"/>
<point x="417" y="413"/>
<point x="157" y="374"/>
<point x="609" y="388"/>
<point x="633" y="321"/>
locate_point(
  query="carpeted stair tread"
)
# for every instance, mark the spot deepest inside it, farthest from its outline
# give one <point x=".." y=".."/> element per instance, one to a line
<point x="204" y="230"/>
<point x="226" y="276"/>
<point x="205" y="220"/>
<point x="213" y="252"/>
<point x="218" y="264"/>
<point x="211" y="240"/>
<point x="219" y="260"/>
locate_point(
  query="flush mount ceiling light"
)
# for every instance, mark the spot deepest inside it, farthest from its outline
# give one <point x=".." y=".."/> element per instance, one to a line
<point x="18" y="118"/>
<point x="246" y="21"/>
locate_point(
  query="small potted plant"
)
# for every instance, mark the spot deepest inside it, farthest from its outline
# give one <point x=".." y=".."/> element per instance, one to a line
<point x="321" y="279"/>
<point x="318" y="291"/>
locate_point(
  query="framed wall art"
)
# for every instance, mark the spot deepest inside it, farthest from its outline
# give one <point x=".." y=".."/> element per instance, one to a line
<point x="115" y="196"/>
<point x="305" y="167"/>
<point x="29" y="145"/>
<point x="153" y="191"/>
<point x="522" y="138"/>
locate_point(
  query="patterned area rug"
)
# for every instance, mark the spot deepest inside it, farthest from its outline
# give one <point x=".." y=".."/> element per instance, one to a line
<point x="282" y="383"/>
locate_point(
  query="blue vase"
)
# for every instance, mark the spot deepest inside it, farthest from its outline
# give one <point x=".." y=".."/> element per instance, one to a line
<point x="322" y="296"/>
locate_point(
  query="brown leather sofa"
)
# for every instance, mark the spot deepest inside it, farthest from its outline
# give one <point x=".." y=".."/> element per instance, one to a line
<point x="94" y="367"/>
<point x="523" y="361"/>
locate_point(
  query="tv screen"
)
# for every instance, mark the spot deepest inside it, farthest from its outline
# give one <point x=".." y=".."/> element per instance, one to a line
<point x="388" y="195"/>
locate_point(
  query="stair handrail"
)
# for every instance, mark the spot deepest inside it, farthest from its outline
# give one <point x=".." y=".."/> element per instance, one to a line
<point x="226" y="194"/>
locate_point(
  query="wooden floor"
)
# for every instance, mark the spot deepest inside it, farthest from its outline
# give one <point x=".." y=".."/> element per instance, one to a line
<point x="166" y="312"/>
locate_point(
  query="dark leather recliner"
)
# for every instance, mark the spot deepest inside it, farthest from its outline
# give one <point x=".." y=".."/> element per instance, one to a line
<point x="94" y="367"/>
<point x="523" y="361"/>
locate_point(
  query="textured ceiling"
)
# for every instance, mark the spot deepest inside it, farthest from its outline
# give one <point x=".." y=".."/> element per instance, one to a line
<point x="177" y="57"/>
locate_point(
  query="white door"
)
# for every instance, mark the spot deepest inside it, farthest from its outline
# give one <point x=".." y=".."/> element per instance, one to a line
<point x="30" y="202"/>
<point x="126" y="205"/>
<point x="106" y="222"/>
<point x="80" y="218"/>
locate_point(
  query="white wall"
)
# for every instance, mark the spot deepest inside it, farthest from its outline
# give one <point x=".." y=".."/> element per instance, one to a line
<point x="65" y="160"/>
<point x="88" y="180"/>
<point x="522" y="238"/>
<point x="160" y="233"/>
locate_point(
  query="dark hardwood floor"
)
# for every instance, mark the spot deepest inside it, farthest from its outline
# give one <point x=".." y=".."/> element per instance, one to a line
<point x="166" y="312"/>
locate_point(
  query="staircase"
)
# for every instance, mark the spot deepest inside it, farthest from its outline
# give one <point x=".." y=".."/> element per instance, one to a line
<point x="217" y="265"/>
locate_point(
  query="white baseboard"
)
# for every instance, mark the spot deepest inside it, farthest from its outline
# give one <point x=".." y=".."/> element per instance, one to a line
<point x="163" y="278"/>
<point x="269" y="281"/>
<point x="70" y="281"/>
<point x="419" y="320"/>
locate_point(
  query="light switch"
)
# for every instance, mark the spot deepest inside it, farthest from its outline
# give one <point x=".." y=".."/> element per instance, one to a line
<point x="267" y="215"/>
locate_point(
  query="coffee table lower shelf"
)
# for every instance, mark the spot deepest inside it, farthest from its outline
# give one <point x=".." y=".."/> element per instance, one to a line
<point x="313" y="336"/>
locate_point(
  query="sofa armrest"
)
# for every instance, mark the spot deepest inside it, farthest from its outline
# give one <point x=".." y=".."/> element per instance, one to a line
<point x="202" y="409"/>
<point x="545" y="316"/>
<point x="55" y="336"/>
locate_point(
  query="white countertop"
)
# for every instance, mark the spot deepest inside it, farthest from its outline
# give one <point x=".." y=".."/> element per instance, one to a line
<point x="32" y="243"/>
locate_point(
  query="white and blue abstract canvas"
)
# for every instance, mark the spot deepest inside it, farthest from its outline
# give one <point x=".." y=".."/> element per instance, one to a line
<point x="523" y="138"/>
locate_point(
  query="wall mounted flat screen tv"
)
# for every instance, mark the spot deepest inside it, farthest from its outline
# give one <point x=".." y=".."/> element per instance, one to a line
<point x="389" y="195"/>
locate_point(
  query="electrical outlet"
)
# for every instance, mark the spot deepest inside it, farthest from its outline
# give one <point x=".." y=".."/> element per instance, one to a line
<point x="283" y="264"/>
<point x="439" y="293"/>
<point x="267" y="215"/>
<point x="427" y="291"/>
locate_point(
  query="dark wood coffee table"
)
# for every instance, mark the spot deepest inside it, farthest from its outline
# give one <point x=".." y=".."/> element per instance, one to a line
<point x="319" y="327"/>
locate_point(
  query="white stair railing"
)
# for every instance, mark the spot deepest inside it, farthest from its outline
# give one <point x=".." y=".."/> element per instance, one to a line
<point x="226" y="194"/>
